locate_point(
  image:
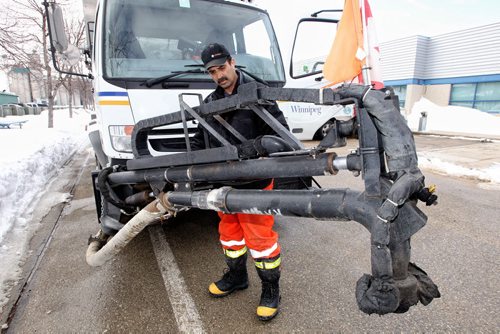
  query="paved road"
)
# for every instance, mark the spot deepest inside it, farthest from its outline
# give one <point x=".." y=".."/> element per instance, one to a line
<point x="458" y="248"/>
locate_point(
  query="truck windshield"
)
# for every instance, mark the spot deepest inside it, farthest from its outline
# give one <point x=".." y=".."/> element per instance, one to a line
<point x="149" y="38"/>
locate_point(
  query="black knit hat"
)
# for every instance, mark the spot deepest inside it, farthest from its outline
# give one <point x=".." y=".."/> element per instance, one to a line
<point x="214" y="55"/>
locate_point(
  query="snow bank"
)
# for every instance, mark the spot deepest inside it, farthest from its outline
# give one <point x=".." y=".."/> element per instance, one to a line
<point x="453" y="119"/>
<point x="29" y="159"/>
<point x="490" y="174"/>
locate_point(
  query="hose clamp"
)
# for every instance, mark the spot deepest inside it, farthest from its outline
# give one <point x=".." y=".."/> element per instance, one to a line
<point x="368" y="89"/>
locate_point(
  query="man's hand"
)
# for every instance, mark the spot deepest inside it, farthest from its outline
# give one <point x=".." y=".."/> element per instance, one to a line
<point x="262" y="146"/>
<point x="251" y="149"/>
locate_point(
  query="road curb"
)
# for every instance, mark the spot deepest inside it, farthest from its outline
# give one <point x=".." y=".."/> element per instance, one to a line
<point x="471" y="136"/>
<point x="42" y="237"/>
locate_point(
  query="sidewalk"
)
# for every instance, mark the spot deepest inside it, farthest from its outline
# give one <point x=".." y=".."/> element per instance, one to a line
<point x="460" y="155"/>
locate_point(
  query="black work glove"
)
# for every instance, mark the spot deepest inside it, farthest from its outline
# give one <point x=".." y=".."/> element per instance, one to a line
<point x="262" y="146"/>
<point x="251" y="149"/>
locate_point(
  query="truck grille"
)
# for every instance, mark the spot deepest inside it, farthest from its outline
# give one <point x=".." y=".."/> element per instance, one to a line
<point x="169" y="140"/>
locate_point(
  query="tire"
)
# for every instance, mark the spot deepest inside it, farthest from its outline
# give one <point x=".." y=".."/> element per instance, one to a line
<point x="323" y="130"/>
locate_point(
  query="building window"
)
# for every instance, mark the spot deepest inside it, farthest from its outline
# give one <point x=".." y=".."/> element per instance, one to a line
<point x="400" y="91"/>
<point x="484" y="96"/>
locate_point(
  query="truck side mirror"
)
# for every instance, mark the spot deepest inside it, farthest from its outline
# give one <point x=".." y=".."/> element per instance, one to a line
<point x="313" y="39"/>
<point x="69" y="53"/>
<point x="57" y="28"/>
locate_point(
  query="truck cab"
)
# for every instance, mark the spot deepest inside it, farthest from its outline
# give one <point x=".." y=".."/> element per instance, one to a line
<point x="145" y="57"/>
<point x="136" y="41"/>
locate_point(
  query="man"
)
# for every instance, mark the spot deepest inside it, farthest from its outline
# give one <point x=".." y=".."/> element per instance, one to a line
<point x="240" y="233"/>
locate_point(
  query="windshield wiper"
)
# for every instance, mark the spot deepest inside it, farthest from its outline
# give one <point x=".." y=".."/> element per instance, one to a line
<point x="242" y="69"/>
<point x="153" y="81"/>
<point x="253" y="76"/>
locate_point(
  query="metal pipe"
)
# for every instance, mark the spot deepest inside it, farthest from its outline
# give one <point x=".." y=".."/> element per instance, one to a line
<point x="320" y="204"/>
<point x="135" y="177"/>
<point x="276" y="167"/>
<point x="340" y="163"/>
<point x="295" y="166"/>
<point x="140" y="199"/>
<point x="343" y="204"/>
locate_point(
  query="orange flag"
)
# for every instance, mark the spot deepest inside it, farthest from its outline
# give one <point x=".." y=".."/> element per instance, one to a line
<point x="346" y="57"/>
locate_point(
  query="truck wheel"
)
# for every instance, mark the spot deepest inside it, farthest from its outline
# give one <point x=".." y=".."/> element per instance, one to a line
<point x="323" y="131"/>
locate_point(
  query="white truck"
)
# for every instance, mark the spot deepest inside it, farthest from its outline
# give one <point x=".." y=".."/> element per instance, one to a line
<point x="308" y="121"/>
<point x="131" y="42"/>
<point x="144" y="54"/>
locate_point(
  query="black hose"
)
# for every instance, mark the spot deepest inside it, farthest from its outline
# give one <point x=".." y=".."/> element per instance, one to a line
<point x="108" y="193"/>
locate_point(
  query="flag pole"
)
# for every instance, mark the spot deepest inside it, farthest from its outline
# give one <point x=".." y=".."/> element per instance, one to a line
<point x="365" y="72"/>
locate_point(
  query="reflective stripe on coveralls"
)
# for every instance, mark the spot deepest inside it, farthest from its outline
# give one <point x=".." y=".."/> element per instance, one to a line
<point x="234" y="254"/>
<point x="268" y="265"/>
<point x="231" y="243"/>
<point x="264" y="253"/>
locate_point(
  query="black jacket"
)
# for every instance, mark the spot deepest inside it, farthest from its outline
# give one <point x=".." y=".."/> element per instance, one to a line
<point x="244" y="121"/>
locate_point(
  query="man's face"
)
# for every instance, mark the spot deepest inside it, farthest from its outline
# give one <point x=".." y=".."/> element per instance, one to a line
<point x="225" y="75"/>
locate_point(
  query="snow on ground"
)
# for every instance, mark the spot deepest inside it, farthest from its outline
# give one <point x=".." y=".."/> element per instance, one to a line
<point x="489" y="174"/>
<point x="453" y="119"/>
<point x="458" y="120"/>
<point x="30" y="157"/>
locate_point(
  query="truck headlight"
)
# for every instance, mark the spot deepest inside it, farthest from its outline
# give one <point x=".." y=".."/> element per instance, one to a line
<point x="121" y="136"/>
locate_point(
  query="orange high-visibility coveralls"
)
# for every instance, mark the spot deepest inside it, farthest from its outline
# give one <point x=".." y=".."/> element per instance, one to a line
<point x="250" y="230"/>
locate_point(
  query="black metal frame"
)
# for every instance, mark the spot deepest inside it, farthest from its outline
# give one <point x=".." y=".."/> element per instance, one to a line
<point x="190" y="179"/>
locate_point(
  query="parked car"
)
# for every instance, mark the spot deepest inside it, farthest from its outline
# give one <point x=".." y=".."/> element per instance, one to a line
<point x="35" y="105"/>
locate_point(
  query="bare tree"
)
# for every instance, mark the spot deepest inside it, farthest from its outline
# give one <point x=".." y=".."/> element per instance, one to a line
<point x="13" y="38"/>
<point x="84" y="86"/>
<point x="23" y="30"/>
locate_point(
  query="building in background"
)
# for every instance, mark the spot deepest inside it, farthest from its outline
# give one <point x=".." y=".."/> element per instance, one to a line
<point x="30" y="85"/>
<point x="8" y="98"/>
<point x="4" y="82"/>
<point x="459" y="68"/>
